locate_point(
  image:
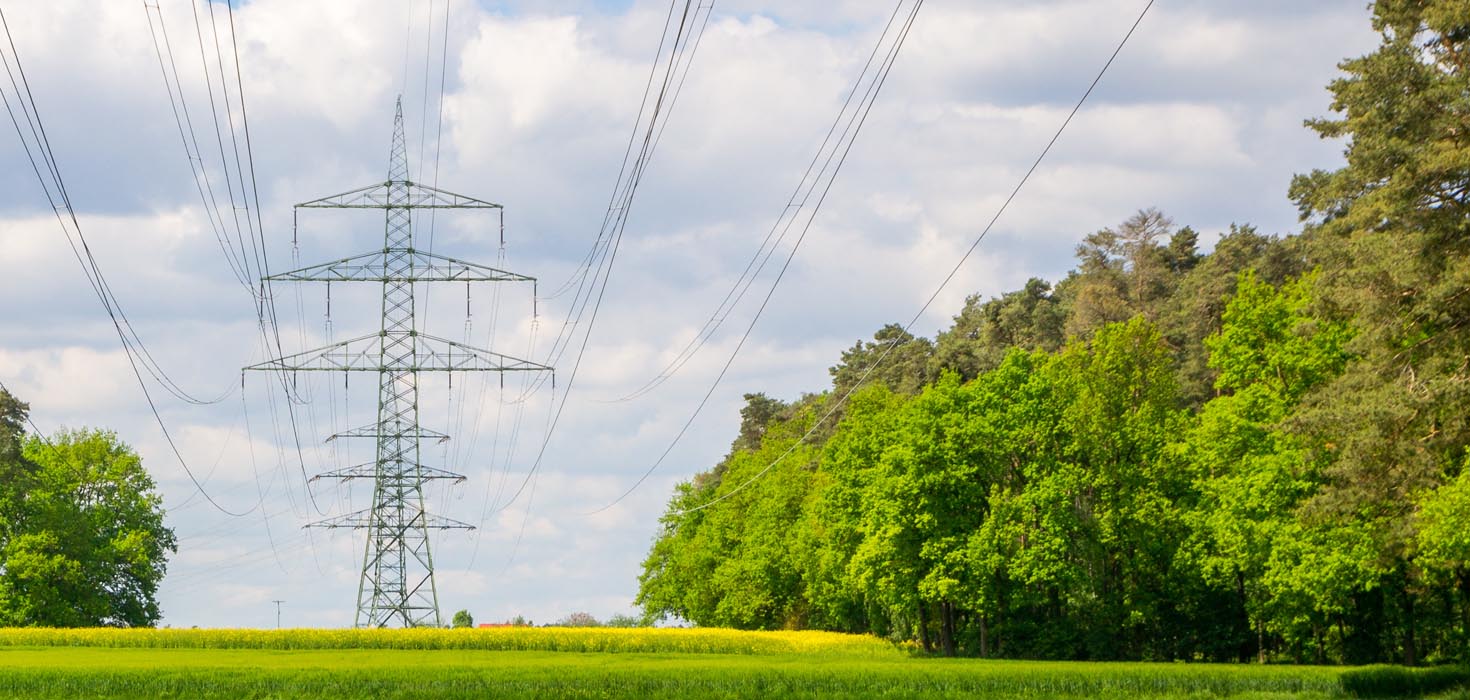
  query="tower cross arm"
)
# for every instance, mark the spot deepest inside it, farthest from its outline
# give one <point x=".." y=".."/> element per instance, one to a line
<point x="408" y="195"/>
<point x="430" y="354"/>
<point x="363" y="519"/>
<point x="370" y="471"/>
<point x="410" y="265"/>
<point x="377" y="431"/>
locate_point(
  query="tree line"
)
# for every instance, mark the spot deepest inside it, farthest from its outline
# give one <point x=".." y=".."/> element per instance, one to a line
<point x="1258" y="453"/>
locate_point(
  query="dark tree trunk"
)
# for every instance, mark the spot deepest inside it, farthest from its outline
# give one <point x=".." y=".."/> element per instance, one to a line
<point x="1322" y="644"/>
<point x="1411" y="651"/>
<point x="924" y="628"/>
<point x="1261" y="642"/>
<point x="1341" y="634"/>
<point x="1464" y="577"/>
<point x="984" y="636"/>
<point x="946" y="627"/>
<point x="1245" y="643"/>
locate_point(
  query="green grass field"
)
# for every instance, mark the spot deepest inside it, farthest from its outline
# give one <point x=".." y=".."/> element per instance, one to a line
<point x="634" y="664"/>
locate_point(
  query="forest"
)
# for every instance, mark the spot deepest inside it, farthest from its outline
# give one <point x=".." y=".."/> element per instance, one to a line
<point x="1254" y="453"/>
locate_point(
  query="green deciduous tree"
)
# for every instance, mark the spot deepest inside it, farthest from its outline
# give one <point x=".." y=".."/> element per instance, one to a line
<point x="734" y="565"/>
<point x="1119" y="399"/>
<point x="463" y="618"/>
<point x="86" y="544"/>
<point x="1251" y="475"/>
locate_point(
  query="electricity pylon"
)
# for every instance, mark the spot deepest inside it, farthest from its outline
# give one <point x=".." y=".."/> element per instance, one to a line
<point x="397" y="585"/>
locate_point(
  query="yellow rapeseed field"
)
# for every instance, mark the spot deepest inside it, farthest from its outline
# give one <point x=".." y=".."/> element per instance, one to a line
<point x="578" y="639"/>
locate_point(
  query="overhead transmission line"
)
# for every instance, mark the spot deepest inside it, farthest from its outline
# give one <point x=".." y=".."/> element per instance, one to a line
<point x="592" y="285"/>
<point x="54" y="188"/>
<point x="251" y="263"/>
<point x="831" y="167"/>
<point x="433" y="214"/>
<point x="767" y="248"/>
<point x="685" y="44"/>
<point x="236" y="254"/>
<point x="236" y="258"/>
<point x="685" y="47"/>
<point x="888" y="348"/>
<point x="267" y="292"/>
<point x="456" y="409"/>
<point x="249" y="196"/>
<point x="585" y="265"/>
<point x="99" y="283"/>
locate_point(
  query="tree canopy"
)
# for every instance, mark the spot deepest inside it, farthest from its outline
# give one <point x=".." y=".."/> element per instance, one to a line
<point x="1255" y="452"/>
<point x="82" y="538"/>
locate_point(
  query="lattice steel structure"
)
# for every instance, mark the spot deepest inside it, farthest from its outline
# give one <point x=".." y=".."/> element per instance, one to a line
<point x="397" y="585"/>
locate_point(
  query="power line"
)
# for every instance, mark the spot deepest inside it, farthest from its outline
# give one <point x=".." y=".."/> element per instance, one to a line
<point x="610" y="250"/>
<point x="762" y="255"/>
<point x="89" y="266"/>
<point x="604" y="248"/>
<point x="240" y="260"/>
<point x="866" y="105"/>
<point x="452" y="465"/>
<point x="580" y="272"/>
<point x="255" y="471"/>
<point x="268" y="303"/>
<point x="95" y="278"/>
<point x="947" y="279"/>
<point x="236" y="260"/>
<point x="488" y="504"/>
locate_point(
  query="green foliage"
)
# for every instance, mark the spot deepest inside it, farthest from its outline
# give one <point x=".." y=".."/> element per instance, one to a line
<point x="622" y="620"/>
<point x="1444" y="531"/>
<point x="1128" y="271"/>
<point x="16" y="472"/>
<point x="1196" y="309"/>
<point x="462" y="619"/>
<point x="758" y="412"/>
<point x="1391" y="233"/>
<point x="1270" y="338"/>
<point x="984" y="331"/>
<point x="1251" y="475"/>
<point x="83" y="541"/>
<point x="905" y="367"/>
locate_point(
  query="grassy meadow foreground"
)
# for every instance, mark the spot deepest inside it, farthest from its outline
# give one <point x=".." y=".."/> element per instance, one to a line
<point x="618" y="663"/>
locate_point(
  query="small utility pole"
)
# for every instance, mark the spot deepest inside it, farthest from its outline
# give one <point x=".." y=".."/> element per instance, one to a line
<point x="278" y="612"/>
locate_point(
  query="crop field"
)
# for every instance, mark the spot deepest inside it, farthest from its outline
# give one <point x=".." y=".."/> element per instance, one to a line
<point x="618" y="663"/>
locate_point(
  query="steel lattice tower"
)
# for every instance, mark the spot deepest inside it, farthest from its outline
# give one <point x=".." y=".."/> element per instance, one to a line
<point x="397" y="584"/>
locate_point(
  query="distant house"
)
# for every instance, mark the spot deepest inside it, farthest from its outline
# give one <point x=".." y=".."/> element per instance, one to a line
<point x="491" y="625"/>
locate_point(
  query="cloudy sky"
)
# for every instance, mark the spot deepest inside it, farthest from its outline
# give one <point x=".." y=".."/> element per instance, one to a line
<point x="1200" y="116"/>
